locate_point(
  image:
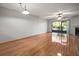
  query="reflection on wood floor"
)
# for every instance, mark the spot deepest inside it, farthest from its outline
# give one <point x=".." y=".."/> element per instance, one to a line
<point x="47" y="44"/>
<point x="60" y="38"/>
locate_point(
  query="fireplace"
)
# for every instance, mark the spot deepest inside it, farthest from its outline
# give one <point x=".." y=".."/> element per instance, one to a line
<point x="77" y="31"/>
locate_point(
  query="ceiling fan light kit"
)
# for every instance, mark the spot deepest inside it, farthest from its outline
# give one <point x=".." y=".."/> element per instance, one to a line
<point x="25" y="11"/>
<point x="60" y="15"/>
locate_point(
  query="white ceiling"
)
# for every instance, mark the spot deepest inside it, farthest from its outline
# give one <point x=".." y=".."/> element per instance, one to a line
<point x="46" y="10"/>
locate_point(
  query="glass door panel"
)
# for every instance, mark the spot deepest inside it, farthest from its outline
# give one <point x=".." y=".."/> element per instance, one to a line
<point x="60" y="26"/>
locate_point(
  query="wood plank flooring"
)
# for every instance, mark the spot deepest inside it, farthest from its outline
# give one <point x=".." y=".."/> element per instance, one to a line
<point x="40" y="45"/>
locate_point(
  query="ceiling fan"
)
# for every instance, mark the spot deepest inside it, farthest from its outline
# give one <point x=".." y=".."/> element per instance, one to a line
<point x="25" y="11"/>
<point x="59" y="15"/>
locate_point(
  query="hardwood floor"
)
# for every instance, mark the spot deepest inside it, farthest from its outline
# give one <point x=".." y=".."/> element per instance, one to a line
<point x="40" y="45"/>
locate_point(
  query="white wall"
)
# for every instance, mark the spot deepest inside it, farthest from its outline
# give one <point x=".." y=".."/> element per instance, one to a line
<point x="49" y="22"/>
<point x="14" y="25"/>
<point x="74" y="23"/>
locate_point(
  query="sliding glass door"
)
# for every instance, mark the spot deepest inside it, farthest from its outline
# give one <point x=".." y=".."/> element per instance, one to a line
<point x="60" y="26"/>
